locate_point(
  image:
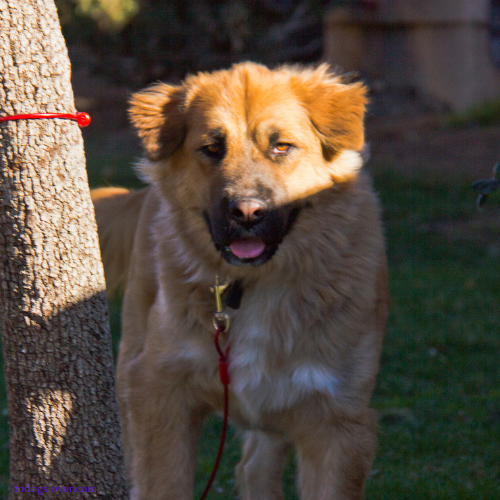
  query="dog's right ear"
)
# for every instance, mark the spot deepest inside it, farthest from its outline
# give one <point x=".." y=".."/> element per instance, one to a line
<point x="157" y="114"/>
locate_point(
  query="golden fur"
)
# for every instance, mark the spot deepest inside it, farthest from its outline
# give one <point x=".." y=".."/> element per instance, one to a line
<point x="306" y="341"/>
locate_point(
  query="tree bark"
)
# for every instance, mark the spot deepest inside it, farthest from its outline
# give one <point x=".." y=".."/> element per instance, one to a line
<point x="63" y="412"/>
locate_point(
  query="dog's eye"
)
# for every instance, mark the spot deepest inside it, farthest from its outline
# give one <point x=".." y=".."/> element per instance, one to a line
<point x="214" y="150"/>
<point x="282" y="148"/>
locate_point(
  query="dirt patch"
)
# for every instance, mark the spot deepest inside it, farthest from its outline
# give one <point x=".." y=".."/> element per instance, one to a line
<point x="424" y="144"/>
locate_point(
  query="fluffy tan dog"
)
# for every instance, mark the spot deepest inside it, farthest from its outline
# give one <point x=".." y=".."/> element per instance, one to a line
<point x="255" y="176"/>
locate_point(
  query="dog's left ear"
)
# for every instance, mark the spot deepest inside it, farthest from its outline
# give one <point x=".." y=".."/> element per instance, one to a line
<point x="336" y="109"/>
<point x="157" y="114"/>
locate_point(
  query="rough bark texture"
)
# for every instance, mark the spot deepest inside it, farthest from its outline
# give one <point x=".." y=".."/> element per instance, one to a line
<point x="63" y="414"/>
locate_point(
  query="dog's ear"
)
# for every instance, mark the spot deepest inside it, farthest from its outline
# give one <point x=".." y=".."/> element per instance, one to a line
<point x="157" y="114"/>
<point x="338" y="115"/>
<point x="336" y="109"/>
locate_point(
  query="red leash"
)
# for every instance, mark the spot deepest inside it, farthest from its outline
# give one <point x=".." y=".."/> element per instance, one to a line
<point x="83" y="119"/>
<point x="221" y="324"/>
<point x="225" y="379"/>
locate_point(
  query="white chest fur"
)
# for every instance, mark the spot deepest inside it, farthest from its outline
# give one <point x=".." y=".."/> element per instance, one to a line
<point x="266" y="372"/>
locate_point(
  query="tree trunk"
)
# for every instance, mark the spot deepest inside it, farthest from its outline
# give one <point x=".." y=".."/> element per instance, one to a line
<point x="63" y="412"/>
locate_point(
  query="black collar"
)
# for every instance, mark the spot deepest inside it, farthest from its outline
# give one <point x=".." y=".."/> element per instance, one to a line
<point x="233" y="294"/>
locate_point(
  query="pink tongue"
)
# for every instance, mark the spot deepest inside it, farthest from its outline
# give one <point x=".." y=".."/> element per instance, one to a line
<point x="247" y="249"/>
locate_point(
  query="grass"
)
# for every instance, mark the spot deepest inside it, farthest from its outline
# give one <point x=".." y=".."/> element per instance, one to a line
<point x="438" y="393"/>
<point x="480" y="115"/>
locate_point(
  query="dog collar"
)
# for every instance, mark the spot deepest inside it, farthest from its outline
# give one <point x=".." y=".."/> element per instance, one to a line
<point x="233" y="294"/>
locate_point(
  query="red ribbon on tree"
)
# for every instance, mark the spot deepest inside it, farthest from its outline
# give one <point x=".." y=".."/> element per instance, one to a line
<point x="83" y="119"/>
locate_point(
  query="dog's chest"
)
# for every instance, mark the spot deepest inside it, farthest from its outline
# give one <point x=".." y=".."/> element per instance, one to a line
<point x="268" y="372"/>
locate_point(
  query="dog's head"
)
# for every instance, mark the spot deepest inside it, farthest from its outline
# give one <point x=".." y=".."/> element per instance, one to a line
<point x="244" y="149"/>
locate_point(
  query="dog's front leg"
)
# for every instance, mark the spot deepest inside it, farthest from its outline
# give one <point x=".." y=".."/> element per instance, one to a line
<point x="334" y="460"/>
<point x="260" y="471"/>
<point x="164" y="432"/>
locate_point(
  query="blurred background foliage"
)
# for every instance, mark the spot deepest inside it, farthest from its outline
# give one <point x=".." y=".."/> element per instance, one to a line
<point x="135" y="42"/>
<point x="110" y="15"/>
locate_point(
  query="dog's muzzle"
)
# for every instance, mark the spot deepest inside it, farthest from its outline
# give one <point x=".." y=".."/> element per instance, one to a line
<point x="247" y="231"/>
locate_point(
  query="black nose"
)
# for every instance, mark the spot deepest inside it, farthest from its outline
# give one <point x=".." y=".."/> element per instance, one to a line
<point x="247" y="211"/>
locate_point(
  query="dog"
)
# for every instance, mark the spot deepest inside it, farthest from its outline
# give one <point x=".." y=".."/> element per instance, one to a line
<point x="255" y="177"/>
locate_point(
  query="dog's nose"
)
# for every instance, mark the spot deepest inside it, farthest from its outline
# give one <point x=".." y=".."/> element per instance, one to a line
<point x="247" y="211"/>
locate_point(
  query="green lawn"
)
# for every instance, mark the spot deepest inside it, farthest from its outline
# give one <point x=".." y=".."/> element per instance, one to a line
<point x="438" y="392"/>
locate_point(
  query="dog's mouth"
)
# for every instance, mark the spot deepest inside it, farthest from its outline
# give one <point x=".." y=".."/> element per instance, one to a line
<point x="255" y="244"/>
